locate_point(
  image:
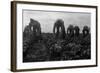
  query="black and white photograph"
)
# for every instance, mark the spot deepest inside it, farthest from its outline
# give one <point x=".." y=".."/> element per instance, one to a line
<point x="49" y="36"/>
<point x="56" y="36"/>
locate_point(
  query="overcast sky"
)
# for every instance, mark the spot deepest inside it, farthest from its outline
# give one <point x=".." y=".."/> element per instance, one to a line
<point x="48" y="18"/>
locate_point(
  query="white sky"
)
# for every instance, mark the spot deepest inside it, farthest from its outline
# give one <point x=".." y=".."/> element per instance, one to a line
<point x="48" y="18"/>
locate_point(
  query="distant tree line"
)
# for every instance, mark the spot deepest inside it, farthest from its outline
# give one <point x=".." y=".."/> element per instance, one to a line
<point x="34" y="28"/>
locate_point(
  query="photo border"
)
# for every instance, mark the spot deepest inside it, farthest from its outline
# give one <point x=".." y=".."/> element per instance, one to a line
<point x="14" y="35"/>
